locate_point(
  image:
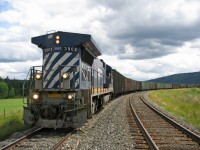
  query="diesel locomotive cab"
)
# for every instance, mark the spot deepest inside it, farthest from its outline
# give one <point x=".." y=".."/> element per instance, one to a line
<point x="60" y="90"/>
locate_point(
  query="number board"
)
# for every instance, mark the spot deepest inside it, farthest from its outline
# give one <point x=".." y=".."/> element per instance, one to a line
<point x="56" y="49"/>
<point x="70" y="49"/>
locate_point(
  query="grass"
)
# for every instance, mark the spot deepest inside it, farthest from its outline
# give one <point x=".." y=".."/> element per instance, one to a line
<point x="11" y="105"/>
<point x="12" y="120"/>
<point x="184" y="103"/>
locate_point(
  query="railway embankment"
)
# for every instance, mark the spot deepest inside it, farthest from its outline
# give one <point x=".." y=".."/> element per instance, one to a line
<point x="110" y="128"/>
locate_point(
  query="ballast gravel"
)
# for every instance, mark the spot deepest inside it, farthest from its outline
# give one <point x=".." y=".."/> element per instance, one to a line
<point x="106" y="130"/>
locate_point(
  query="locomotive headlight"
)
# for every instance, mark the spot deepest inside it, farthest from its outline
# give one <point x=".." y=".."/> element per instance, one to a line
<point x="70" y="96"/>
<point x="38" y="76"/>
<point x="35" y="96"/>
<point x="65" y="75"/>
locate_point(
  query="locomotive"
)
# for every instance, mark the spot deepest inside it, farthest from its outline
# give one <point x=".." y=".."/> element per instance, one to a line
<point x="72" y="83"/>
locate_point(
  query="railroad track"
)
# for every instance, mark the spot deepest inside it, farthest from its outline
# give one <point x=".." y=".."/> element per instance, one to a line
<point x="154" y="130"/>
<point x="139" y="140"/>
<point x="41" y="139"/>
<point x="59" y="144"/>
<point x="14" y="144"/>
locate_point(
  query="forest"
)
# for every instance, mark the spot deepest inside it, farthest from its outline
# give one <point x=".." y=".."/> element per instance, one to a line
<point x="10" y="88"/>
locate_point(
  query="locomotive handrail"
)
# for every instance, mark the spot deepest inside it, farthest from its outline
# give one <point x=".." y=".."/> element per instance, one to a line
<point x="31" y="69"/>
<point x="24" y="85"/>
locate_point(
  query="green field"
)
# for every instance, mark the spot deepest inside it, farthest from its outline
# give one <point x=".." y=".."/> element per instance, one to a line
<point x="184" y="103"/>
<point x="11" y="117"/>
<point x="10" y="105"/>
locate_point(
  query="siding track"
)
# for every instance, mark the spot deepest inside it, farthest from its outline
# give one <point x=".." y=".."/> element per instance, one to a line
<point x="160" y="132"/>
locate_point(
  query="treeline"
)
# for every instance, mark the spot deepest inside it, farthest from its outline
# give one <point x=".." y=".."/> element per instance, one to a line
<point x="11" y="88"/>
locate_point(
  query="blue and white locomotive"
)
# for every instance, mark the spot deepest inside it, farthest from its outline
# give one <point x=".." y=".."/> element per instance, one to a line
<point x="72" y="83"/>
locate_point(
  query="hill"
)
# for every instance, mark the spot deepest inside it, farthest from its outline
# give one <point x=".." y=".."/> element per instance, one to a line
<point x="182" y="78"/>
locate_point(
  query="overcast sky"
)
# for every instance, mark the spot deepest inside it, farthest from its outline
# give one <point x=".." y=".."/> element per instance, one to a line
<point x="143" y="39"/>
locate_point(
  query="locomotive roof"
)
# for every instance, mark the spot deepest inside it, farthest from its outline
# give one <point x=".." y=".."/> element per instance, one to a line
<point x="69" y="39"/>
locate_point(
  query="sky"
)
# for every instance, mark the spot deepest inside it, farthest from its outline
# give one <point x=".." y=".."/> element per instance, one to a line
<point x="142" y="39"/>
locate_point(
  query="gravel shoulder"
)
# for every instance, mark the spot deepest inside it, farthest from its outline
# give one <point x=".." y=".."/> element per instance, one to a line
<point x="106" y="130"/>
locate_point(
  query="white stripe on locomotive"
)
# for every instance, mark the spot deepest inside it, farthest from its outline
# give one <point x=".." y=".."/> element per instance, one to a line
<point x="49" y="63"/>
<point x="65" y="69"/>
<point x="55" y="66"/>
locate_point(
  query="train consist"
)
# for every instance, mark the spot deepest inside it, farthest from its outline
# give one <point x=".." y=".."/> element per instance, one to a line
<point x="72" y="83"/>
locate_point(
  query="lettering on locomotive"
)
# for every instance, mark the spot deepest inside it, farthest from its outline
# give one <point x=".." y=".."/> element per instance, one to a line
<point x="48" y="50"/>
<point x="70" y="49"/>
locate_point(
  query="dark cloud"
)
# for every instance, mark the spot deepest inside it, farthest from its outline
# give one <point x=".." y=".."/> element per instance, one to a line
<point x="170" y="42"/>
<point x="154" y="28"/>
<point x="146" y="50"/>
<point x="11" y="59"/>
<point x="115" y="4"/>
<point x="19" y="58"/>
<point x="169" y="35"/>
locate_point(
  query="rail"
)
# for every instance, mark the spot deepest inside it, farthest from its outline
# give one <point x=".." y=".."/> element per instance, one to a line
<point x="148" y="138"/>
<point x="13" y="144"/>
<point x="179" y="126"/>
<point x="61" y="142"/>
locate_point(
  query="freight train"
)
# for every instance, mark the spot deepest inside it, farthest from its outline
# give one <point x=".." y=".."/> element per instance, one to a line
<point x="72" y="83"/>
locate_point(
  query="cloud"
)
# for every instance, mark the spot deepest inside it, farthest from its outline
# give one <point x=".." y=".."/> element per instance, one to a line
<point x="146" y="49"/>
<point x="150" y="26"/>
<point x="18" y="52"/>
<point x="152" y="37"/>
<point x="17" y="70"/>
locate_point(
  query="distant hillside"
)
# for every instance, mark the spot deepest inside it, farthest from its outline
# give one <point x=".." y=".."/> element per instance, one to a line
<point x="182" y="78"/>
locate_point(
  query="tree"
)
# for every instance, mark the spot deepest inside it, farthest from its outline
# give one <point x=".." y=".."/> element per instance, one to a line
<point x="11" y="92"/>
<point x="3" y="90"/>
